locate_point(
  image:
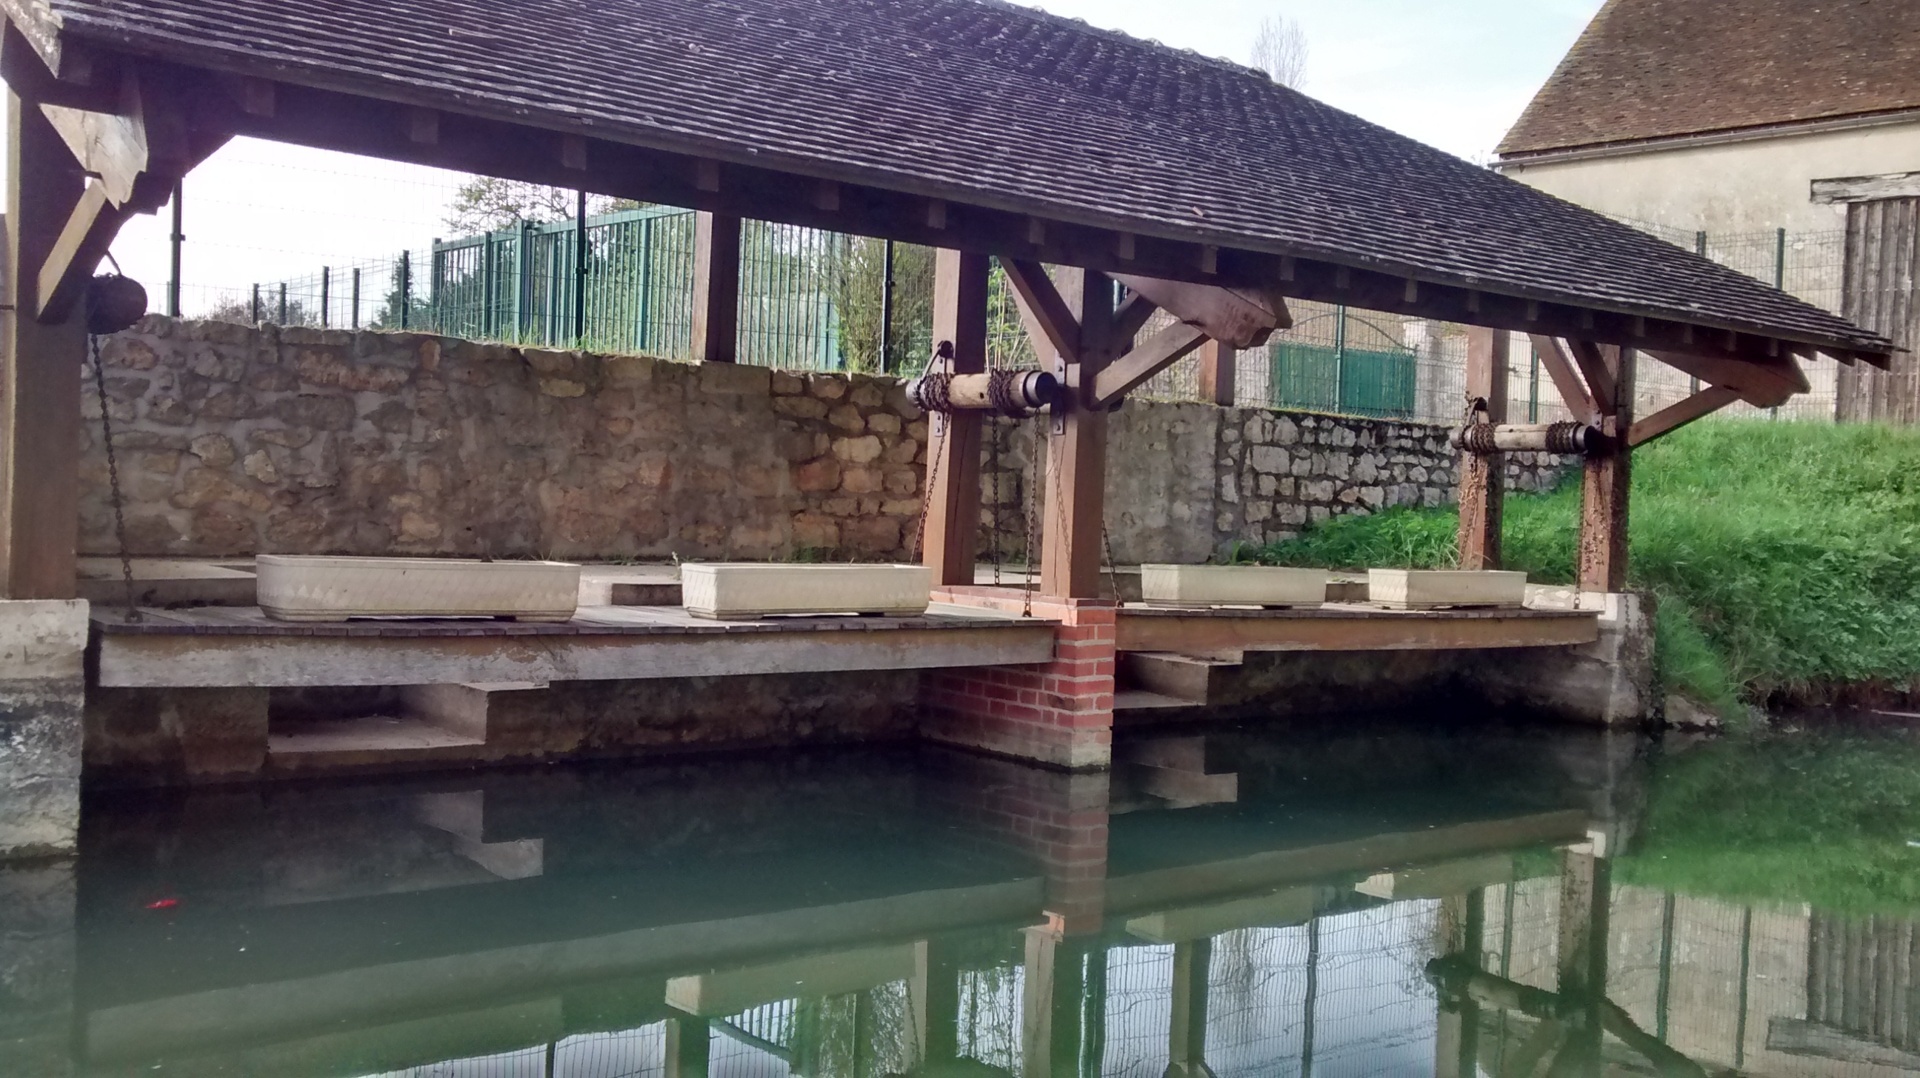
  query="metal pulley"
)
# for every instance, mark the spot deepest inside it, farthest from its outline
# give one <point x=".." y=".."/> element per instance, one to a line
<point x="114" y="303"/>
<point x="1567" y="438"/>
<point x="1012" y="393"/>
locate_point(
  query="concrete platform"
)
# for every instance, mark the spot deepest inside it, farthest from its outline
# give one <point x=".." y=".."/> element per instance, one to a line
<point x="1350" y="627"/>
<point x="229" y="647"/>
<point x="167" y="582"/>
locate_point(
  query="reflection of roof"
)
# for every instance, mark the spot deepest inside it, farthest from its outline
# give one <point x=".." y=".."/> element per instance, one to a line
<point x="1649" y="69"/>
<point x="975" y="101"/>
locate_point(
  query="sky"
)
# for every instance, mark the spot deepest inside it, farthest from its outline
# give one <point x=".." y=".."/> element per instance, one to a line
<point x="1451" y="73"/>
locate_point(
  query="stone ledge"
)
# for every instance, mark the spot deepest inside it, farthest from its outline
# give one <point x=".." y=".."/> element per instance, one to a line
<point x="42" y="639"/>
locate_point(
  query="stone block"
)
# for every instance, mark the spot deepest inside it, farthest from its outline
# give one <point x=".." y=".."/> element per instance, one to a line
<point x="42" y="640"/>
<point x="175" y="736"/>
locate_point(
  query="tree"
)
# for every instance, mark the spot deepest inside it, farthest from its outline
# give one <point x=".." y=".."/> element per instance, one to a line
<point x="489" y="204"/>
<point x="1280" y="49"/>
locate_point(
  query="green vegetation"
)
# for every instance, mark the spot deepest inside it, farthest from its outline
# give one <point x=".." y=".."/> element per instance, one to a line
<point x="1785" y="556"/>
<point x="1829" y="819"/>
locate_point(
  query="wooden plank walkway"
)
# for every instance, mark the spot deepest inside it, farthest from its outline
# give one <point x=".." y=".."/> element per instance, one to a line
<point x="240" y="646"/>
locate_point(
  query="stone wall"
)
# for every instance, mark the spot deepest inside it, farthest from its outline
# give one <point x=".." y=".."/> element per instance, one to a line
<point x="235" y="441"/>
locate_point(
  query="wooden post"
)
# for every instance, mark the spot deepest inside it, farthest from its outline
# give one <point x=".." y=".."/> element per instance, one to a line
<point x="1586" y="894"/>
<point x="1077" y="455"/>
<point x="1218" y="366"/>
<point x="1187" y="1032"/>
<point x="688" y="1047"/>
<point x="1483" y="477"/>
<point x="1605" y="481"/>
<point x="40" y="371"/>
<point x="1050" y="1005"/>
<point x="1462" y="931"/>
<point x="953" y="499"/>
<point x="935" y="1001"/>
<point x="716" y="287"/>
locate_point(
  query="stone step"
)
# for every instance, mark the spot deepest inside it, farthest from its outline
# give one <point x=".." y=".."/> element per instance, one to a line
<point x="468" y="710"/>
<point x="1192" y="678"/>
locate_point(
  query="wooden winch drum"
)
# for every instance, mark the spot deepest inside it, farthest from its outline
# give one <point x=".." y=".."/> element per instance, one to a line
<point x="1569" y="438"/>
<point x="1008" y="392"/>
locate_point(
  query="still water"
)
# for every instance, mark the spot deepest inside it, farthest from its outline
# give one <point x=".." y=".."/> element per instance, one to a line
<point x="1370" y="899"/>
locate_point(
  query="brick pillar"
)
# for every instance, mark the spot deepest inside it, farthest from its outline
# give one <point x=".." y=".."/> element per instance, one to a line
<point x="1058" y="713"/>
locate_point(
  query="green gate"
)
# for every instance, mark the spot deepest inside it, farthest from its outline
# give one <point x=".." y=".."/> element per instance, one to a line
<point x="1323" y="372"/>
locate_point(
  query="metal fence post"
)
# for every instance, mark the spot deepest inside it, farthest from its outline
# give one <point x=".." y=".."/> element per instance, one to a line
<point x="179" y="237"/>
<point x="356" y="297"/>
<point x="406" y="289"/>
<point x="886" y="305"/>
<point x="326" y="296"/>
<point x="283" y="303"/>
<point x="488" y="284"/>
<point x="256" y="304"/>
<point x="523" y="282"/>
<point x="580" y="271"/>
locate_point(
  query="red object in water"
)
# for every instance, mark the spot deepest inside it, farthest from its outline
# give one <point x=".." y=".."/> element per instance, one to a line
<point x="163" y="904"/>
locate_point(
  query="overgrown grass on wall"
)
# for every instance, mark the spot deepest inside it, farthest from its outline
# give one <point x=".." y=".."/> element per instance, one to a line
<point x="1785" y="556"/>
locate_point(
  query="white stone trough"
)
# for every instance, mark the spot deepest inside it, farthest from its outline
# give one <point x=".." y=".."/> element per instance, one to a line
<point x="743" y="591"/>
<point x="303" y="588"/>
<point x="1232" y="585"/>
<point x="1433" y="589"/>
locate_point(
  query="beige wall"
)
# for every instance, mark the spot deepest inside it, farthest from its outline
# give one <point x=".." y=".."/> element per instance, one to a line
<point x="1732" y="187"/>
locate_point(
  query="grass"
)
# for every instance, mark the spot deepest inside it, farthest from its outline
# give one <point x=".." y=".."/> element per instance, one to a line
<point x="1785" y="557"/>
<point x="1829" y="818"/>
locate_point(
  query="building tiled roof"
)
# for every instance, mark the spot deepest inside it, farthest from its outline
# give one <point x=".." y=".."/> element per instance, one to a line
<point x="976" y="101"/>
<point x="1653" y="69"/>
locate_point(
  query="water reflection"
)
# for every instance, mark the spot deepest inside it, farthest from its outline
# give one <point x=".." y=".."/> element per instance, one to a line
<point x="1314" y="903"/>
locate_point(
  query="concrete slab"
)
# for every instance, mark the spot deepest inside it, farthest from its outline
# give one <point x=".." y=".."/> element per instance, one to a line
<point x="167" y="583"/>
<point x="42" y="698"/>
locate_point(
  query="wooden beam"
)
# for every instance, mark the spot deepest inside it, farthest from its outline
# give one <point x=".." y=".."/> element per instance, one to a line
<point x="1241" y="318"/>
<point x="1853" y="189"/>
<point x="80" y="87"/>
<point x="1675" y="416"/>
<point x="716" y="287"/>
<point x="1132" y="317"/>
<point x="1605" y="480"/>
<point x="689" y="1047"/>
<point x="1050" y="322"/>
<point x="1483" y="476"/>
<point x="1219" y="368"/>
<point x="1593" y="367"/>
<point x="1763" y="383"/>
<point x="1572" y="388"/>
<point x="953" y="498"/>
<point x="40" y="371"/>
<point x="89" y="231"/>
<point x="1074" y="524"/>
<point x="498" y="147"/>
<point x="1162" y="350"/>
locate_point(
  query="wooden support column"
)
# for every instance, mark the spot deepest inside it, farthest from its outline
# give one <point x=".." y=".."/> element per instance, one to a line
<point x="1050" y="1004"/>
<point x="716" y="287"/>
<point x="1187" y="1031"/>
<point x="1462" y="931"/>
<point x="1483" y="477"/>
<point x="1218" y="367"/>
<point x="953" y="499"/>
<point x="935" y="1001"/>
<point x="40" y="370"/>
<point x="1586" y="896"/>
<point x="1077" y="454"/>
<point x="1606" y="478"/>
<point x="688" y="1047"/>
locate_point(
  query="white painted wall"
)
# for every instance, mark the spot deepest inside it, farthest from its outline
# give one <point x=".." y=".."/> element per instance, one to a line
<point x="1733" y="187"/>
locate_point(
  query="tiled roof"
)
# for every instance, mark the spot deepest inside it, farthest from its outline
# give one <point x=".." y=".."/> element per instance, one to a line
<point x="977" y="101"/>
<point x="1650" y="69"/>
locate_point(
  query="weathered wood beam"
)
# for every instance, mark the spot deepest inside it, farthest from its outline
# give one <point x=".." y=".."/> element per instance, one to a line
<point x="1240" y="318"/>
<point x="1219" y="369"/>
<point x="1593" y="367"/>
<point x="1074" y="523"/>
<point x="1763" y="383"/>
<point x="1050" y="322"/>
<point x="1187" y="1024"/>
<point x="1571" y="387"/>
<point x="1483" y="475"/>
<point x="960" y="296"/>
<point x="329" y="120"/>
<point x="1132" y="316"/>
<point x="1156" y="354"/>
<point x="1674" y="416"/>
<point x="82" y="243"/>
<point x="40" y="371"/>
<point x="716" y="287"/>
<point x="79" y="85"/>
<point x="1852" y="189"/>
<point x="141" y="148"/>
<point x="1605" y="482"/>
